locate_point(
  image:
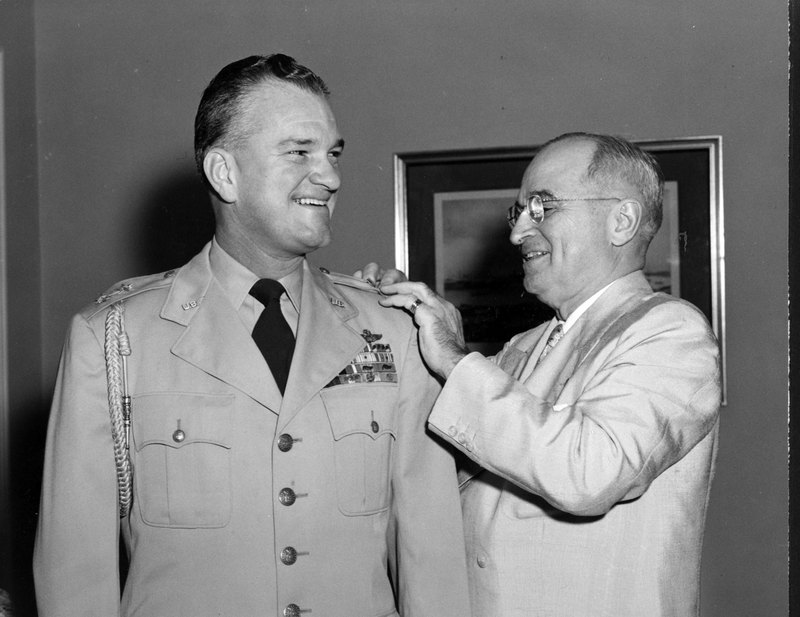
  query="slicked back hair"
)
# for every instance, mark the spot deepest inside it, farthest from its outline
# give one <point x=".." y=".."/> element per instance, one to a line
<point x="219" y="116"/>
<point x="618" y="160"/>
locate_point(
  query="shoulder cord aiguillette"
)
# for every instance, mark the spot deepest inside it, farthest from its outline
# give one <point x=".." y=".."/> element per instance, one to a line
<point x="117" y="350"/>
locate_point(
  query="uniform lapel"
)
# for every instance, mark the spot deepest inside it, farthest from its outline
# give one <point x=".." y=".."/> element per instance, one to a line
<point x="215" y="340"/>
<point x="325" y="342"/>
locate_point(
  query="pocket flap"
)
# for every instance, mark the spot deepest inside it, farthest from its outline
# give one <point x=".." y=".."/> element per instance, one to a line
<point x="176" y="419"/>
<point x="365" y="409"/>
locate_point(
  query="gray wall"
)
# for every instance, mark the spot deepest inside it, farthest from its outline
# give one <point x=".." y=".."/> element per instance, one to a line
<point x="24" y="416"/>
<point x="117" y="85"/>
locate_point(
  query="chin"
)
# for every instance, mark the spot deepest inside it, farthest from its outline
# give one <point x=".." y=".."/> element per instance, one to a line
<point x="537" y="291"/>
<point x="530" y="285"/>
<point x="319" y="241"/>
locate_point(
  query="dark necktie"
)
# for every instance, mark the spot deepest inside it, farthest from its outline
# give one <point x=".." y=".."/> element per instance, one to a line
<point x="272" y="334"/>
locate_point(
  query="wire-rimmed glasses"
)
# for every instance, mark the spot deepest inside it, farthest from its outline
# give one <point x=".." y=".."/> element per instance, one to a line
<point x="534" y="206"/>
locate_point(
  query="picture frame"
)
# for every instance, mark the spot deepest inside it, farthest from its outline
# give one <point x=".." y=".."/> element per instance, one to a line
<point x="451" y="233"/>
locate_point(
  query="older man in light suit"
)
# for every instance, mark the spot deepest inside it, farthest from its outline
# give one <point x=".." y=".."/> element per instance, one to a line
<point x="592" y="438"/>
<point x="305" y="484"/>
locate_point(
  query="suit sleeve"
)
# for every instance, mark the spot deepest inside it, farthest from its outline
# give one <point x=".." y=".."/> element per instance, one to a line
<point x="430" y="557"/>
<point x="645" y="400"/>
<point x="76" y="556"/>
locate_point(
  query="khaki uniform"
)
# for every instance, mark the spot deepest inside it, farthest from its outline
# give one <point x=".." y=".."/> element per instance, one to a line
<point x="246" y="503"/>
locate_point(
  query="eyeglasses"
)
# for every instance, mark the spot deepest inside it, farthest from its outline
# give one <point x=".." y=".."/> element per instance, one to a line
<point x="534" y="206"/>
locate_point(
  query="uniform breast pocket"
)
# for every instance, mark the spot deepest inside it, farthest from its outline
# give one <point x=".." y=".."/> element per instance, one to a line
<point x="182" y="465"/>
<point x="362" y="419"/>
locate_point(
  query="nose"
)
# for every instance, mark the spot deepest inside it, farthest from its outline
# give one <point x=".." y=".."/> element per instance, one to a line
<point x="326" y="174"/>
<point x="523" y="228"/>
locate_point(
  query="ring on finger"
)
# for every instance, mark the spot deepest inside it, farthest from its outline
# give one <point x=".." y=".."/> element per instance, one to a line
<point x="413" y="307"/>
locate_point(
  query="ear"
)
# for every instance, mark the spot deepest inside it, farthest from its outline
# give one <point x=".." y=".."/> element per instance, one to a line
<point x="220" y="169"/>
<point x="625" y="220"/>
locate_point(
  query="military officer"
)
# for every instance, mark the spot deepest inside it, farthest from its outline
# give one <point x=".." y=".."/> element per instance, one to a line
<point x="260" y="486"/>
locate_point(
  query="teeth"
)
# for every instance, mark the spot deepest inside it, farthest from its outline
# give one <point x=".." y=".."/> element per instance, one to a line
<point x="305" y="201"/>
<point x="532" y="254"/>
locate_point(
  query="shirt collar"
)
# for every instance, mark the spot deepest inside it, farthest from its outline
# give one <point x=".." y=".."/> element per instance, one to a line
<point x="584" y="307"/>
<point x="236" y="279"/>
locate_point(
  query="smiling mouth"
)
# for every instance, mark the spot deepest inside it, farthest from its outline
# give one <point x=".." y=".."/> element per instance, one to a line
<point x="533" y="255"/>
<point x="306" y="201"/>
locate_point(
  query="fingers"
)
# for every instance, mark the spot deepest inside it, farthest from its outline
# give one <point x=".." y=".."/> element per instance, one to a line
<point x="413" y="288"/>
<point x="378" y="277"/>
<point x="407" y="295"/>
<point x="419" y="300"/>
<point x="392" y="276"/>
<point x="398" y="300"/>
<point x="414" y="305"/>
<point x="371" y="272"/>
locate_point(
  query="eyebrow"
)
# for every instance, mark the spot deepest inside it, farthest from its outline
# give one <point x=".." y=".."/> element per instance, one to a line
<point x="296" y="141"/>
<point x="544" y="193"/>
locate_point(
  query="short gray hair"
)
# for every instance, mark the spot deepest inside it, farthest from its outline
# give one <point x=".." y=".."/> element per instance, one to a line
<point x="616" y="159"/>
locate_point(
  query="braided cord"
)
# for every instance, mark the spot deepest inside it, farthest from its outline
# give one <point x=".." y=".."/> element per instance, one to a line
<point x="117" y="348"/>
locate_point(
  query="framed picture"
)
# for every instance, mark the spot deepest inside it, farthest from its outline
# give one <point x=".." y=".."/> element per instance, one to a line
<point x="451" y="233"/>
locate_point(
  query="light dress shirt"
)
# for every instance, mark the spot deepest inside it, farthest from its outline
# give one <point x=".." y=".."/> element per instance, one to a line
<point x="237" y="280"/>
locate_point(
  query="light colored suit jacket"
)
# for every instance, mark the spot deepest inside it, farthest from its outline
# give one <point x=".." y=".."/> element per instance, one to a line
<point x="596" y="469"/>
<point x="211" y="530"/>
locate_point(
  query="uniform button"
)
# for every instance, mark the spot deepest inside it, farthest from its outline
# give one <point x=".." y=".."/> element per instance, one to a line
<point x="287" y="496"/>
<point x="324" y="270"/>
<point x="178" y="436"/>
<point x="285" y="442"/>
<point x="462" y="439"/>
<point x="468" y="446"/>
<point x="375" y="426"/>
<point x="452" y="431"/>
<point x="292" y="610"/>
<point x="483" y="561"/>
<point x="288" y="555"/>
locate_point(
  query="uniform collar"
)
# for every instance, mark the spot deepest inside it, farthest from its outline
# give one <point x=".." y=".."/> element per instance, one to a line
<point x="236" y="279"/>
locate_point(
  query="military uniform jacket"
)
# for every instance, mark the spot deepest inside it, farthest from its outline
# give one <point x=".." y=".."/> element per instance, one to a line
<point x="596" y="464"/>
<point x="226" y="519"/>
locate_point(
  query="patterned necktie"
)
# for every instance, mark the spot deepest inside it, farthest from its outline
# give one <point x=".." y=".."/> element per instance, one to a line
<point x="272" y="334"/>
<point x="555" y="336"/>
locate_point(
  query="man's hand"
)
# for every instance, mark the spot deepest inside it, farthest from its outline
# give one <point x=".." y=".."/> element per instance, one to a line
<point x="441" y="337"/>
<point x="379" y="277"/>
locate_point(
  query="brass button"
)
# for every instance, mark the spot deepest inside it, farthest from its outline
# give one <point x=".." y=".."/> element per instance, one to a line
<point x="285" y="442"/>
<point x="292" y="610"/>
<point x="287" y="496"/>
<point x="375" y="426"/>
<point x="289" y="555"/>
<point x="483" y="561"/>
<point x="324" y="270"/>
<point x="178" y="436"/>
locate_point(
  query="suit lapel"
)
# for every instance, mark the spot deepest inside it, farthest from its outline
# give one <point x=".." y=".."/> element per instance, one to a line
<point x="215" y="340"/>
<point x="325" y="342"/>
<point x="548" y="378"/>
